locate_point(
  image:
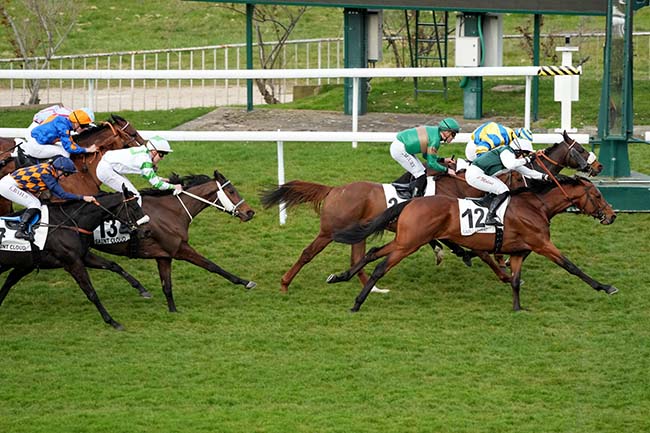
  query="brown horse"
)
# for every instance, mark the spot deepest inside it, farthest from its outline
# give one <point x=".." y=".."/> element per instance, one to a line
<point x="116" y="133"/>
<point x="359" y="202"/>
<point x="526" y="229"/>
<point x="167" y="232"/>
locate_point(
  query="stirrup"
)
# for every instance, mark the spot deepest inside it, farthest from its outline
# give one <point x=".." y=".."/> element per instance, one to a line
<point x="493" y="221"/>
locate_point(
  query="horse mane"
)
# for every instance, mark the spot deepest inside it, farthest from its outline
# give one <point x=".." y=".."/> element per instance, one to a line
<point x="89" y="131"/>
<point x="187" y="181"/>
<point x="541" y="187"/>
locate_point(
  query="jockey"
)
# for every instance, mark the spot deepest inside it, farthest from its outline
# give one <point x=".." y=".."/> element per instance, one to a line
<point x="491" y="135"/>
<point x="481" y="173"/>
<point x="141" y="160"/>
<point x="54" y="136"/>
<point x="20" y="186"/>
<point x="46" y="114"/>
<point x="426" y="140"/>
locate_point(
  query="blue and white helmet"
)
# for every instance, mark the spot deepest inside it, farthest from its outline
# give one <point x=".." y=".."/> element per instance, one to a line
<point x="523" y="140"/>
<point x="524" y="133"/>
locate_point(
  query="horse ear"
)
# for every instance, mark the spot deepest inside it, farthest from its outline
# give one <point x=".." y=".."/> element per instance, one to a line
<point x="127" y="193"/>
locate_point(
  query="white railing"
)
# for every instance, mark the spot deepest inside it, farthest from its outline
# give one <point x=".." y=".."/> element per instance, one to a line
<point x="528" y="72"/>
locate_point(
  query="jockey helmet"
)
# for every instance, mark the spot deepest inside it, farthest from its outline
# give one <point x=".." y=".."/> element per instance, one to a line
<point x="449" y="124"/>
<point x="82" y="116"/>
<point x="522" y="144"/>
<point x="159" y="144"/>
<point x="65" y="165"/>
<point x="524" y="133"/>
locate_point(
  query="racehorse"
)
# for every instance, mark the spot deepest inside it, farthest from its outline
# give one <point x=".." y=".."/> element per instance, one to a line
<point x="116" y="133"/>
<point x="526" y="228"/>
<point x="167" y="232"/>
<point x="68" y="242"/>
<point x="359" y="202"/>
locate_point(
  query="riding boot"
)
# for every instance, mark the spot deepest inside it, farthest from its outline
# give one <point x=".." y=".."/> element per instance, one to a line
<point x="27" y="219"/>
<point x="419" y="186"/>
<point x="491" y="219"/>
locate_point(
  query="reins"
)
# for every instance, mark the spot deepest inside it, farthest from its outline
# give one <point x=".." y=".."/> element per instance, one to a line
<point x="78" y="210"/>
<point x="226" y="206"/>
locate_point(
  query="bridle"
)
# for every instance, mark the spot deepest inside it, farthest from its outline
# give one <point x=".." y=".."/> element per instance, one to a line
<point x="599" y="212"/>
<point x="130" y="221"/>
<point x="221" y="202"/>
<point x="127" y="139"/>
<point x="572" y="152"/>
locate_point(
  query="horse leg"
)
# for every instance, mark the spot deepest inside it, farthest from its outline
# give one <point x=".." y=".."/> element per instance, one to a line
<point x="393" y="257"/>
<point x="165" y="273"/>
<point x="14" y="276"/>
<point x="189" y="254"/>
<point x="552" y="253"/>
<point x="460" y="252"/>
<point x="97" y="262"/>
<point x="79" y="272"/>
<point x="437" y="251"/>
<point x="370" y="256"/>
<point x="311" y="251"/>
<point x="515" y="265"/>
<point x="485" y="256"/>
<point x="358" y="250"/>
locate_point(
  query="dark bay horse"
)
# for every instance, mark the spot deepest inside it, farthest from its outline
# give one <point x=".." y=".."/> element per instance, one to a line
<point x="68" y="242"/>
<point x="168" y="237"/>
<point x="116" y="133"/>
<point x="526" y="229"/>
<point x="359" y="202"/>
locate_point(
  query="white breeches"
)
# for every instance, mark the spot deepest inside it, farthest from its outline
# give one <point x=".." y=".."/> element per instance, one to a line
<point x="478" y="179"/>
<point x="114" y="180"/>
<point x="470" y="151"/>
<point x="43" y="151"/>
<point x="409" y="162"/>
<point x="9" y="189"/>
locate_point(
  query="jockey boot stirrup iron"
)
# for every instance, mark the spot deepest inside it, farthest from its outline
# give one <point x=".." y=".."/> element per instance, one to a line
<point x="419" y="186"/>
<point x="491" y="219"/>
<point x="27" y="219"/>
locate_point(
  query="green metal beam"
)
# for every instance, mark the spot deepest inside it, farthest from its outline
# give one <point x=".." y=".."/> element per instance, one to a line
<point x="250" y="9"/>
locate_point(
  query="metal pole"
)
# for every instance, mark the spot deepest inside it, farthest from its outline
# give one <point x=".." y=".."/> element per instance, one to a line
<point x="91" y="94"/>
<point x="529" y="81"/>
<point x="536" y="32"/>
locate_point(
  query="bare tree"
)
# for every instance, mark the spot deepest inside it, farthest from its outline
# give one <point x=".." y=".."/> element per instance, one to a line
<point x="279" y="21"/>
<point x="36" y="30"/>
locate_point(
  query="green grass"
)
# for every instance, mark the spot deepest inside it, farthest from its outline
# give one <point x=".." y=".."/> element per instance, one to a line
<point x="441" y="352"/>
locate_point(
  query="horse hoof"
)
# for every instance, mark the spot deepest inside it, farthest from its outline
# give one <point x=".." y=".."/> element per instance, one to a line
<point x="611" y="290"/>
<point x="117" y="326"/>
<point x="467" y="261"/>
<point x="353" y="310"/>
<point x="251" y="285"/>
<point x="376" y="289"/>
<point x="146" y="295"/>
<point x="331" y="279"/>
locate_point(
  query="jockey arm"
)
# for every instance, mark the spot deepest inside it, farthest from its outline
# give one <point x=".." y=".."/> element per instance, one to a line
<point x="511" y="162"/>
<point x="156" y="181"/>
<point x="56" y="189"/>
<point x="433" y="160"/>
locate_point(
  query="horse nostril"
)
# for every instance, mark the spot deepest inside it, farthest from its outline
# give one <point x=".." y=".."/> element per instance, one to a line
<point x="250" y="213"/>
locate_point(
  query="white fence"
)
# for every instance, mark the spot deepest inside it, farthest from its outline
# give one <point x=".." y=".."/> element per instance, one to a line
<point x="528" y="72"/>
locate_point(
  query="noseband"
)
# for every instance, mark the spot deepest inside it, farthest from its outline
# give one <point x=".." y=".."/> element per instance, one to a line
<point x="221" y="202"/>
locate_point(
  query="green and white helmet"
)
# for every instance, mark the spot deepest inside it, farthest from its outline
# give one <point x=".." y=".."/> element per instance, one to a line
<point x="449" y="124"/>
<point x="159" y="144"/>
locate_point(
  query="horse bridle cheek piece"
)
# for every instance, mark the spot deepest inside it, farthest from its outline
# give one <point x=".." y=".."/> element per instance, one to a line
<point x="226" y="206"/>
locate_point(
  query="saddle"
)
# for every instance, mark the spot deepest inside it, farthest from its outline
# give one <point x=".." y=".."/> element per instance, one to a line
<point x="403" y="190"/>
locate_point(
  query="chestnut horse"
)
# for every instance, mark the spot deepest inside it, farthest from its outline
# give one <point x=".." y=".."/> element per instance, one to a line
<point x="116" y="133"/>
<point x="167" y="232"/>
<point x="526" y="228"/>
<point x="359" y="202"/>
<point x="66" y="245"/>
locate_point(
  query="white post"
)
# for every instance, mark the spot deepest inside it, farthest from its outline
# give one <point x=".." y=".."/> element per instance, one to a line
<point x="566" y="88"/>
<point x="91" y="94"/>
<point x="355" y="108"/>
<point x="282" y="207"/>
<point x="529" y="81"/>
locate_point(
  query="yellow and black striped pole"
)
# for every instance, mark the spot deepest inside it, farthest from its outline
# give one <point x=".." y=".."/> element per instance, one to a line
<point x="559" y="70"/>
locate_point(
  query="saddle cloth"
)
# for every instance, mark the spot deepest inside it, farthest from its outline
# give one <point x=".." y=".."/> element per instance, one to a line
<point x="472" y="217"/>
<point x="109" y="233"/>
<point x="392" y="198"/>
<point x="8" y="226"/>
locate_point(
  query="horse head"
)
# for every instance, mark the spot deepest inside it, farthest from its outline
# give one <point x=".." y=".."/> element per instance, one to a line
<point x="229" y="199"/>
<point x="586" y="197"/>
<point x="570" y="153"/>
<point x="116" y="133"/>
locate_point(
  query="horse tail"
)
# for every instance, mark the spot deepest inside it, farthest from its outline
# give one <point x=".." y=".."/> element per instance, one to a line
<point x="358" y="232"/>
<point x="294" y="193"/>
